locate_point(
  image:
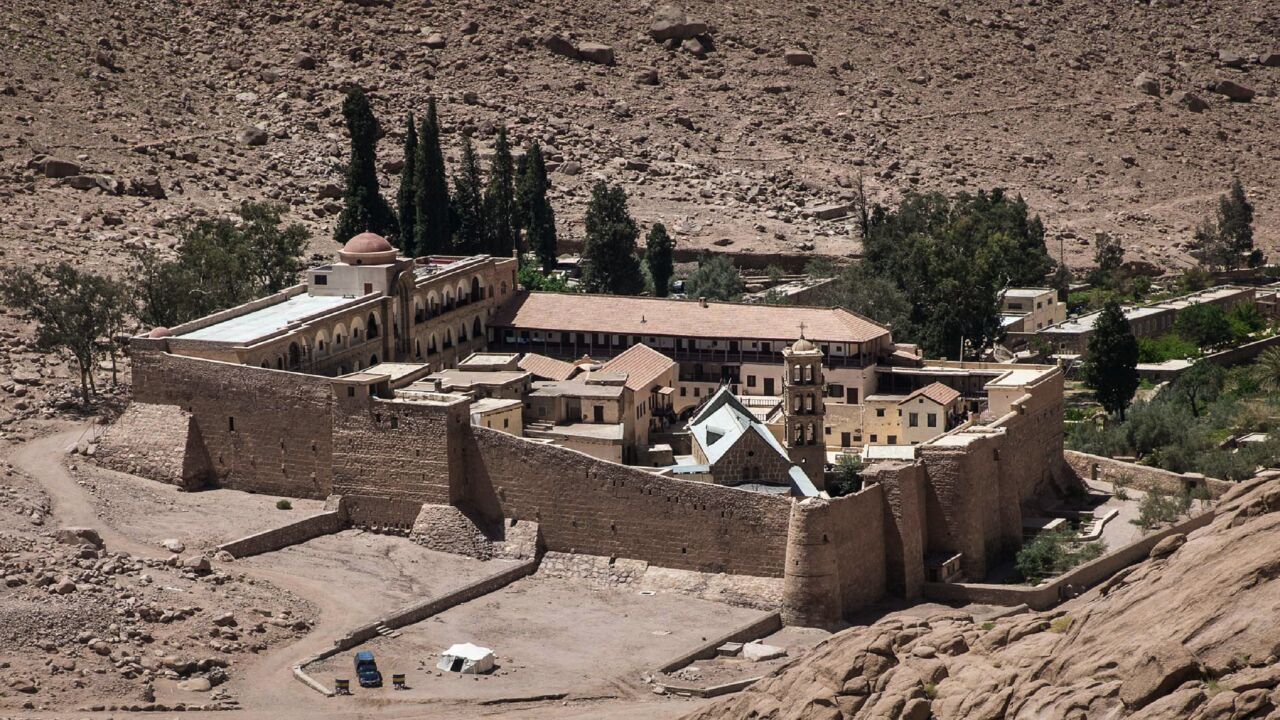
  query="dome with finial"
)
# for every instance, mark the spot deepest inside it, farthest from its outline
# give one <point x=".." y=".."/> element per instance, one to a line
<point x="802" y="345"/>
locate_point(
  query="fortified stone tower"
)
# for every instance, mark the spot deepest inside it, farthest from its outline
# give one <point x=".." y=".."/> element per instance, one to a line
<point x="802" y="409"/>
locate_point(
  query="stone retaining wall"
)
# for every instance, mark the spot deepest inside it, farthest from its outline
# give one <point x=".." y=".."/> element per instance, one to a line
<point x="1139" y="477"/>
<point x="325" y="523"/>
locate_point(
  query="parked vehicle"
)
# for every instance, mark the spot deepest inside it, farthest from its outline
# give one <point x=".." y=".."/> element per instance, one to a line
<point x="367" y="670"/>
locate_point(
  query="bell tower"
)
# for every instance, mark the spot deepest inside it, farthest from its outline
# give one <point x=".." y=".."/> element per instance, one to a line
<point x="803" y="410"/>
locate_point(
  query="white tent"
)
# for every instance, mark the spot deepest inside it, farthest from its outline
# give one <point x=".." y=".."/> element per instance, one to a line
<point x="467" y="659"/>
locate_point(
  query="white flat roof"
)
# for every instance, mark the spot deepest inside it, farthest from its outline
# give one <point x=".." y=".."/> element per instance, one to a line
<point x="267" y="320"/>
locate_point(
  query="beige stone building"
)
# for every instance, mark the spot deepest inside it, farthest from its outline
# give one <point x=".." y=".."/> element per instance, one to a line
<point x="369" y="307"/>
<point x="1030" y="309"/>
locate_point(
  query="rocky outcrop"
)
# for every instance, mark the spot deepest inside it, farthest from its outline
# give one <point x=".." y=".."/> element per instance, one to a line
<point x="1188" y="634"/>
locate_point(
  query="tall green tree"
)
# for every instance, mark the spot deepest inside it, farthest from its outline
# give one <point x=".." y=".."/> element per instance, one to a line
<point x="1199" y="384"/>
<point x="534" y="212"/>
<point x="501" y="218"/>
<point x="609" y="252"/>
<point x="659" y="251"/>
<point x="432" y="227"/>
<point x="406" y="198"/>
<point x="364" y="208"/>
<point x="73" y="310"/>
<point x="1112" y="367"/>
<point x="1108" y="257"/>
<point x="220" y="264"/>
<point x="468" y="203"/>
<point x="715" y="278"/>
<point x="1205" y="325"/>
<point x="1227" y="240"/>
<point x="951" y="257"/>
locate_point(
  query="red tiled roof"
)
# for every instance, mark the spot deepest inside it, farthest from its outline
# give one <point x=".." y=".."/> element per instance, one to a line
<point x="546" y="367"/>
<point x="936" y="392"/>
<point x="626" y="315"/>
<point x="642" y="365"/>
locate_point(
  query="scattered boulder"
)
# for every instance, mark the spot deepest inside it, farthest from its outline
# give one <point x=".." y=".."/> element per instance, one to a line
<point x="759" y="652"/>
<point x="1230" y="59"/>
<point x="647" y="76"/>
<point x="79" y="536"/>
<point x="470" y="27"/>
<point x="106" y="59"/>
<point x="174" y="546"/>
<point x="1168" y="546"/>
<point x="1191" y="101"/>
<point x="59" y="168"/>
<point x="64" y="586"/>
<point x="435" y="41"/>
<point x="226" y="619"/>
<point x="1271" y="59"/>
<point x="1148" y="84"/>
<point x="670" y="23"/>
<point x="796" y="57"/>
<point x="197" y="563"/>
<point x="304" y="61"/>
<point x="572" y="167"/>
<point x="252" y="135"/>
<point x="598" y="53"/>
<point x="196" y="684"/>
<point x="1156" y="671"/>
<point x="558" y="45"/>
<point x="149" y="186"/>
<point x="1234" y="90"/>
<point x="695" y="46"/>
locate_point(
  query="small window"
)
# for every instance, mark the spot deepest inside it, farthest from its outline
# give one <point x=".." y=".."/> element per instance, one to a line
<point x="751" y="381"/>
<point x="351" y="391"/>
<point x="893" y="439"/>
<point x="913" y="420"/>
<point x="231" y="424"/>
<point x="933" y="420"/>
<point x="874" y="439"/>
<point x="395" y="422"/>
<point x="322" y="280"/>
<point x="879" y="412"/>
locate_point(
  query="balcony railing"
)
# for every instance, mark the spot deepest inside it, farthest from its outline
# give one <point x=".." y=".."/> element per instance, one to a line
<point x="573" y="351"/>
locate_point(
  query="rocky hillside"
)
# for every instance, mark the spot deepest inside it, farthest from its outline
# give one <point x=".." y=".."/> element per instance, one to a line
<point x="735" y="124"/>
<point x="1187" y="634"/>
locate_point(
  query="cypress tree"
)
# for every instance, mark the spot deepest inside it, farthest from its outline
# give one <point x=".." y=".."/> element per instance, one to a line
<point x="1112" y="367"/>
<point x="432" y="224"/>
<point x="1235" y="219"/>
<point x="609" y="254"/>
<point x="499" y="200"/>
<point x="468" y="203"/>
<point x="658" y="251"/>
<point x="533" y="210"/>
<point x="406" y="197"/>
<point x="364" y="208"/>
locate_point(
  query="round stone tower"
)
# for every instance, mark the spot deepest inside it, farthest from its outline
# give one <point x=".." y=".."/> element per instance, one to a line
<point x="811" y="594"/>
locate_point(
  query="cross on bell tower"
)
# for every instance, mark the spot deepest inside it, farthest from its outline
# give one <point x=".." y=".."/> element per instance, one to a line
<point x="803" y="410"/>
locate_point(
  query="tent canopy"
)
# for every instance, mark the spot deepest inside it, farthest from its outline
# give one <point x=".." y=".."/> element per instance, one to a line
<point x="466" y="658"/>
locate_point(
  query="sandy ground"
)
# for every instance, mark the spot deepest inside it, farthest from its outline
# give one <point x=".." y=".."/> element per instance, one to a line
<point x="603" y="636"/>
<point x="550" y="636"/>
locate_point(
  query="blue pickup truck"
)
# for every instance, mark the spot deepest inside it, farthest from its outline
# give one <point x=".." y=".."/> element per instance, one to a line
<point x="367" y="670"/>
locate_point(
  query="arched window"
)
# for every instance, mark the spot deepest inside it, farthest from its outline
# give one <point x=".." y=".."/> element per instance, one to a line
<point x="503" y="287"/>
<point x="476" y="293"/>
<point x="797" y="405"/>
<point x="808" y="373"/>
<point x="373" y="326"/>
<point x="373" y="360"/>
<point x="448" y="338"/>
<point x="338" y="335"/>
<point x="431" y="345"/>
<point x="419" y="311"/>
<point x="796" y="375"/>
<point x="295" y="356"/>
<point x="279" y="362"/>
<point x="433" y="304"/>
<point x="799" y="434"/>
<point x="266" y="364"/>
<point x="417" y="348"/>
<point x="808" y="402"/>
<point x="322" y="344"/>
<point x="476" y="328"/>
<point x="448" y="300"/>
<point x="812" y="438"/>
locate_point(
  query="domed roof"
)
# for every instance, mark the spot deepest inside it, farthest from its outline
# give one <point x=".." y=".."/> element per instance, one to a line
<point x="367" y="242"/>
<point x="802" y="345"/>
<point x="160" y="332"/>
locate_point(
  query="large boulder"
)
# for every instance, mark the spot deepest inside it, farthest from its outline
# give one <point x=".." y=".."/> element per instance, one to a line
<point x="1156" y="671"/>
<point x="252" y="135"/>
<point x="558" y="45"/>
<point x="1191" y="102"/>
<point x="79" y="536"/>
<point x="1234" y="90"/>
<point x="1148" y="84"/>
<point x="670" y="23"/>
<point x="796" y="57"/>
<point x="598" y="53"/>
<point x="59" y="168"/>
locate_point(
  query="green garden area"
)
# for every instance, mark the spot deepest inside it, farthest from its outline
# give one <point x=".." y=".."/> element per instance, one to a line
<point x="1186" y="425"/>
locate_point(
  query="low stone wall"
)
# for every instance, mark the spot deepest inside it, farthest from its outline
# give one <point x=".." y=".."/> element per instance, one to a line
<point x="753" y="630"/>
<point x="325" y="523"/>
<point x="1066" y="586"/>
<point x="437" y="604"/>
<point x="1140" y="477"/>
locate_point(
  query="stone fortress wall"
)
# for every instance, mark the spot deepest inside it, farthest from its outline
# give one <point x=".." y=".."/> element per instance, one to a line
<point x="269" y="431"/>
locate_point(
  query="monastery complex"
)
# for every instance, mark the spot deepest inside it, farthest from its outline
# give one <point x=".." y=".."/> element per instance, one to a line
<point x="433" y="397"/>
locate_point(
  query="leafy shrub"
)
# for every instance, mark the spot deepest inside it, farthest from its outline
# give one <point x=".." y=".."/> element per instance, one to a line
<point x="848" y="478"/>
<point x="283" y="504"/>
<point x="1160" y="508"/>
<point x="1052" y="553"/>
<point x="1165" y="347"/>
